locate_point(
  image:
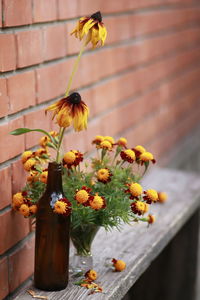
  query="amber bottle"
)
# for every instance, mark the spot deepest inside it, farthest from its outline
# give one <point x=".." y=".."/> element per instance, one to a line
<point x="52" y="236"/>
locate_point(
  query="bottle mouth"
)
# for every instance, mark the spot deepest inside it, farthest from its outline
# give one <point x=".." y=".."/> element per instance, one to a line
<point x="54" y="166"/>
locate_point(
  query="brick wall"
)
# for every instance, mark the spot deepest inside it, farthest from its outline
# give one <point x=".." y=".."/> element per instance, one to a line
<point x="143" y="85"/>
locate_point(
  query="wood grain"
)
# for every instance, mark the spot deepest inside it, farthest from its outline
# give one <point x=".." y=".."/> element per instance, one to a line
<point x="137" y="244"/>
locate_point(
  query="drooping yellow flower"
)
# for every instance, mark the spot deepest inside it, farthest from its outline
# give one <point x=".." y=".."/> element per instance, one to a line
<point x="93" y="28"/>
<point x="70" y="111"/>
<point x="43" y="141"/>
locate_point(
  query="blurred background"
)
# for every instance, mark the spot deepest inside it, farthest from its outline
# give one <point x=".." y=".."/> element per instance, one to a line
<point x="142" y="85"/>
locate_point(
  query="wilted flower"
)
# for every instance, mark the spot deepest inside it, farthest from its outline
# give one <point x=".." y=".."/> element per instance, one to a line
<point x="70" y="111"/>
<point x="93" y="28"/>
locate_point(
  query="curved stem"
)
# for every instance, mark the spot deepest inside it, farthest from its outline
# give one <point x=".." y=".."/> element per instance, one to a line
<point x="61" y="134"/>
<point x="75" y="67"/>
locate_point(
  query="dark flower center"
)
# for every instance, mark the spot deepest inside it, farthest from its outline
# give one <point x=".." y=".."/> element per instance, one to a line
<point x="75" y="98"/>
<point x="97" y="16"/>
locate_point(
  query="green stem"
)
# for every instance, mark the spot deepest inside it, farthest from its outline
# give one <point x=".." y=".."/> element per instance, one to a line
<point x="75" y="67"/>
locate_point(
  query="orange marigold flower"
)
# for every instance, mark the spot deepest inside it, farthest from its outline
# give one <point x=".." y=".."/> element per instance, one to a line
<point x="122" y="142"/>
<point x="151" y="196"/>
<point x="104" y="175"/>
<point x="135" y="189"/>
<point x="97" y="202"/>
<point x="44" y="141"/>
<point x="138" y="150"/>
<point x="33" y="209"/>
<point x="32" y="177"/>
<point x="93" y="28"/>
<point x="72" y="158"/>
<point x="98" y="139"/>
<point x="118" y="264"/>
<point x="139" y="207"/>
<point x="109" y="139"/>
<point x="17" y="200"/>
<point x="82" y="196"/>
<point x="24" y="210"/>
<point x="39" y="152"/>
<point x="128" y="155"/>
<point x="43" y="176"/>
<point x="29" y="164"/>
<point x="91" y="275"/>
<point x="146" y="157"/>
<point x="151" y="219"/>
<point x="105" y="145"/>
<point x="70" y="111"/>
<point x="63" y="207"/>
<point x="26" y="155"/>
<point x="69" y="157"/>
<point x="162" y="197"/>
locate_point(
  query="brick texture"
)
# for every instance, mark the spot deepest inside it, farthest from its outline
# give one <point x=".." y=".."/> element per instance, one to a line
<point x="7" y="52"/>
<point x="29" y="48"/>
<point x="143" y="85"/>
<point x="17" y="13"/>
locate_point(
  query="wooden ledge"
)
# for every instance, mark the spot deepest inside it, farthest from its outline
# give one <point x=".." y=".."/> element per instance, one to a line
<point x="138" y="245"/>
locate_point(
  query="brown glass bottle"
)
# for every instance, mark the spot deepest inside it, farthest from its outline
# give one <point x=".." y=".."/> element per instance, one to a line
<point x="52" y="236"/>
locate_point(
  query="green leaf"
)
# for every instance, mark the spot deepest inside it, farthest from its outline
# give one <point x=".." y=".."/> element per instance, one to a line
<point x="20" y="131"/>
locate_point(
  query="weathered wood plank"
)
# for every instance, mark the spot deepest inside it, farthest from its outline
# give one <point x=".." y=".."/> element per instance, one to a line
<point x="138" y="244"/>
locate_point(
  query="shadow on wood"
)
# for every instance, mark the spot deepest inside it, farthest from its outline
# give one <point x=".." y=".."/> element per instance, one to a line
<point x="172" y="276"/>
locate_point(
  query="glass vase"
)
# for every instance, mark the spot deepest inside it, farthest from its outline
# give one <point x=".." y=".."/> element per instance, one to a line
<point x="82" y="238"/>
<point x="52" y="236"/>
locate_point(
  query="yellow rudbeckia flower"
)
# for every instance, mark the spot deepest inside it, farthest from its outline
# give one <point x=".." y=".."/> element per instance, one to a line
<point x="93" y="28"/>
<point x="71" y="111"/>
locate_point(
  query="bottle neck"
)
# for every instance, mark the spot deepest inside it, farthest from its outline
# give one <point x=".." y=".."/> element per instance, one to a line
<point x="54" y="180"/>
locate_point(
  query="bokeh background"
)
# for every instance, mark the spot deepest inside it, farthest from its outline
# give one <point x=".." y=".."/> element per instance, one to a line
<point x="143" y="85"/>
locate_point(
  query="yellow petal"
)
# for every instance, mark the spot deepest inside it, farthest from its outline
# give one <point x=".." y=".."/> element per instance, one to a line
<point x="63" y="118"/>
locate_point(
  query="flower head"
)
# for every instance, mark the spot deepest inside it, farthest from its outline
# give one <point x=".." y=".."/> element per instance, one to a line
<point x="72" y="158"/>
<point x="139" y="207"/>
<point x="29" y="164"/>
<point x="146" y="157"/>
<point x="162" y="197"/>
<point x="69" y="157"/>
<point x="44" y="141"/>
<point x="91" y="275"/>
<point x="71" y="111"/>
<point x="63" y="207"/>
<point x="151" y="196"/>
<point x="93" y="28"/>
<point x="33" y="176"/>
<point x="98" y="139"/>
<point x="26" y="155"/>
<point x="17" y="200"/>
<point x="97" y="202"/>
<point x="104" y="175"/>
<point x="151" y="219"/>
<point x="33" y="209"/>
<point x="82" y="196"/>
<point x="135" y="189"/>
<point x="138" y="150"/>
<point x="105" y="145"/>
<point x="110" y="139"/>
<point x="24" y="210"/>
<point x="119" y="264"/>
<point x="122" y="142"/>
<point x="128" y="155"/>
<point x="43" y="176"/>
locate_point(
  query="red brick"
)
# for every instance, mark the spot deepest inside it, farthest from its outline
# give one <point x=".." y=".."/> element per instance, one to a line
<point x="21" y="264"/>
<point x="45" y="10"/>
<point x="14" y="227"/>
<point x="68" y="9"/>
<point x="55" y="41"/>
<point x="4" y="288"/>
<point x="21" y="91"/>
<point x="7" y="52"/>
<point x="6" y="192"/>
<point x="18" y="176"/>
<point x="11" y="145"/>
<point x="33" y="120"/>
<point x="4" y="100"/>
<point x="17" y="13"/>
<point x="52" y="80"/>
<point x="29" y="47"/>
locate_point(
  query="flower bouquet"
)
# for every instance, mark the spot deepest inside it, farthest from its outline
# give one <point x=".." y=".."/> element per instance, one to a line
<point x="91" y="192"/>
